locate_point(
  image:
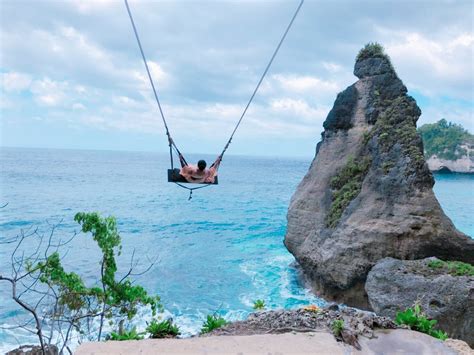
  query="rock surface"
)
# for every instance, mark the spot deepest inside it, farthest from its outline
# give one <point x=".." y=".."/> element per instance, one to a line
<point x="34" y="350"/>
<point x="463" y="165"/>
<point x="398" y="341"/>
<point x="356" y="322"/>
<point x="368" y="193"/>
<point x="394" y="285"/>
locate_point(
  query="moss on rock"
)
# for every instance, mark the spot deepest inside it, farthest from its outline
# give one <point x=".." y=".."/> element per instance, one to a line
<point x="346" y="186"/>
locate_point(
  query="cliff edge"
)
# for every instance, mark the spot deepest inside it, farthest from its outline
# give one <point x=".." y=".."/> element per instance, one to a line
<point x="368" y="192"/>
<point x="448" y="147"/>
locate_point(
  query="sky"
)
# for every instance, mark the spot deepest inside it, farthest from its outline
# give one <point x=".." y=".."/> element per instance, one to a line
<point x="73" y="77"/>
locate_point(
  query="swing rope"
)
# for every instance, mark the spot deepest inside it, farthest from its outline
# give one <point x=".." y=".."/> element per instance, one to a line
<point x="263" y="76"/>
<point x="171" y="143"/>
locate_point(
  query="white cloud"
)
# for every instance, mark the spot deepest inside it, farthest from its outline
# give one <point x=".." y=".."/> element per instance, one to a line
<point x="435" y="67"/>
<point x="86" y="6"/>
<point x="299" y="109"/>
<point x="78" y="106"/>
<point x="49" y="92"/>
<point x="82" y="74"/>
<point x="301" y="84"/>
<point x="15" y="82"/>
<point x="332" y="67"/>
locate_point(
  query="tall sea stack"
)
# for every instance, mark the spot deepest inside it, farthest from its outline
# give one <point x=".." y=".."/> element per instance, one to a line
<point x="368" y="193"/>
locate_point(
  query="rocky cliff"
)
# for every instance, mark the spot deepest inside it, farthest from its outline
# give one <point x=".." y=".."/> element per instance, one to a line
<point x="464" y="165"/>
<point x="448" y="147"/>
<point x="444" y="291"/>
<point x="368" y="193"/>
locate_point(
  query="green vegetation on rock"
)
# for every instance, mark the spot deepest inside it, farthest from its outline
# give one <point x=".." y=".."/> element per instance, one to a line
<point x="414" y="318"/>
<point x="456" y="268"/>
<point x="337" y="326"/>
<point x="163" y="329"/>
<point x="372" y="49"/>
<point x="131" y="334"/>
<point x="259" y="304"/>
<point x="213" y="321"/>
<point x="444" y="139"/>
<point x="346" y="186"/>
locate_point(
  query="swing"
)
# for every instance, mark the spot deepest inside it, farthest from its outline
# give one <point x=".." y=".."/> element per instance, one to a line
<point x="174" y="175"/>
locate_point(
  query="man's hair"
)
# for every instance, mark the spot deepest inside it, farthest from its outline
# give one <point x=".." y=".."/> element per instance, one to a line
<point x="202" y="164"/>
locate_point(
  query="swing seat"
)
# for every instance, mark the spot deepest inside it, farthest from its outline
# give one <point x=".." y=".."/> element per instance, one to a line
<point x="175" y="176"/>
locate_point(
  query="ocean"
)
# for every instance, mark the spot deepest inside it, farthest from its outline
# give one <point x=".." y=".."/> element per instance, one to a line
<point x="218" y="252"/>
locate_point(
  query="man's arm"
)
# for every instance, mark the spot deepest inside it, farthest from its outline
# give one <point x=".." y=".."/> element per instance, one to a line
<point x="216" y="164"/>
<point x="183" y="161"/>
<point x="213" y="169"/>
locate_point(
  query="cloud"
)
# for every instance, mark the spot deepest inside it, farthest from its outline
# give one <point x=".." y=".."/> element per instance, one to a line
<point x="298" y="110"/>
<point x="77" y="63"/>
<point x="78" y="106"/>
<point x="87" y="6"/>
<point x="301" y="84"/>
<point x="15" y="82"/>
<point x="48" y="92"/>
<point x="434" y="67"/>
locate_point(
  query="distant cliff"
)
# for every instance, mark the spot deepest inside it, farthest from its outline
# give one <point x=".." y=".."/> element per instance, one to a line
<point x="368" y="192"/>
<point x="448" y="147"/>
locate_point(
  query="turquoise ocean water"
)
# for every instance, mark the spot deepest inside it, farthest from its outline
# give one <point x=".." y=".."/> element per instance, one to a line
<point x="217" y="252"/>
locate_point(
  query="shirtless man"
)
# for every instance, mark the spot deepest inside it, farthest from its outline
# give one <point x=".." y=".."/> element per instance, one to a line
<point x="198" y="174"/>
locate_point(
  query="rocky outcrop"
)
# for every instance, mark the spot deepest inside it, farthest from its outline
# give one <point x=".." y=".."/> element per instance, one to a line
<point x="393" y="285"/>
<point x="368" y="193"/>
<point x="464" y="164"/>
<point x="355" y="321"/>
<point x="448" y="147"/>
<point x="34" y="350"/>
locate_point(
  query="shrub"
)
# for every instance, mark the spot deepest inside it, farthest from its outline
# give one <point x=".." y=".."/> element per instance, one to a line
<point x="164" y="329"/>
<point x="371" y="49"/>
<point x="259" y="304"/>
<point x="126" y="335"/>
<point x="456" y="268"/>
<point x="337" y="327"/>
<point x="213" y="321"/>
<point x="415" y="319"/>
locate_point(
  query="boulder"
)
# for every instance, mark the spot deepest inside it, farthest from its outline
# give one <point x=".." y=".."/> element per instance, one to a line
<point x="393" y="285"/>
<point x="34" y="350"/>
<point x="368" y="192"/>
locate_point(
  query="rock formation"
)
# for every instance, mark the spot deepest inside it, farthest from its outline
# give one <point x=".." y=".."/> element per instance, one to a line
<point x="464" y="164"/>
<point x="448" y="147"/>
<point x="368" y="193"/>
<point x="394" y="285"/>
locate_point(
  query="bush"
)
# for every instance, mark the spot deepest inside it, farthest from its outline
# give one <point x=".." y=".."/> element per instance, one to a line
<point x="126" y="335"/>
<point x="371" y="49"/>
<point x="259" y="304"/>
<point x="164" y="329"/>
<point x="416" y="320"/>
<point x="213" y="321"/>
<point x="337" y="327"/>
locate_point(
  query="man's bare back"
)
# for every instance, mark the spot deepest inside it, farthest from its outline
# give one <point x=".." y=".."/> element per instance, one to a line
<point x="198" y="174"/>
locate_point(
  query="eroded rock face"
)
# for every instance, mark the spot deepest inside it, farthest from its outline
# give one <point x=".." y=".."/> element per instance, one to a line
<point x="394" y="285"/>
<point x="465" y="164"/>
<point x="368" y="193"/>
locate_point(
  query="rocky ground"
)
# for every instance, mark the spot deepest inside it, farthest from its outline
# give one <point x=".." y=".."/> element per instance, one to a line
<point x="444" y="293"/>
<point x="303" y="331"/>
<point x="356" y="323"/>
